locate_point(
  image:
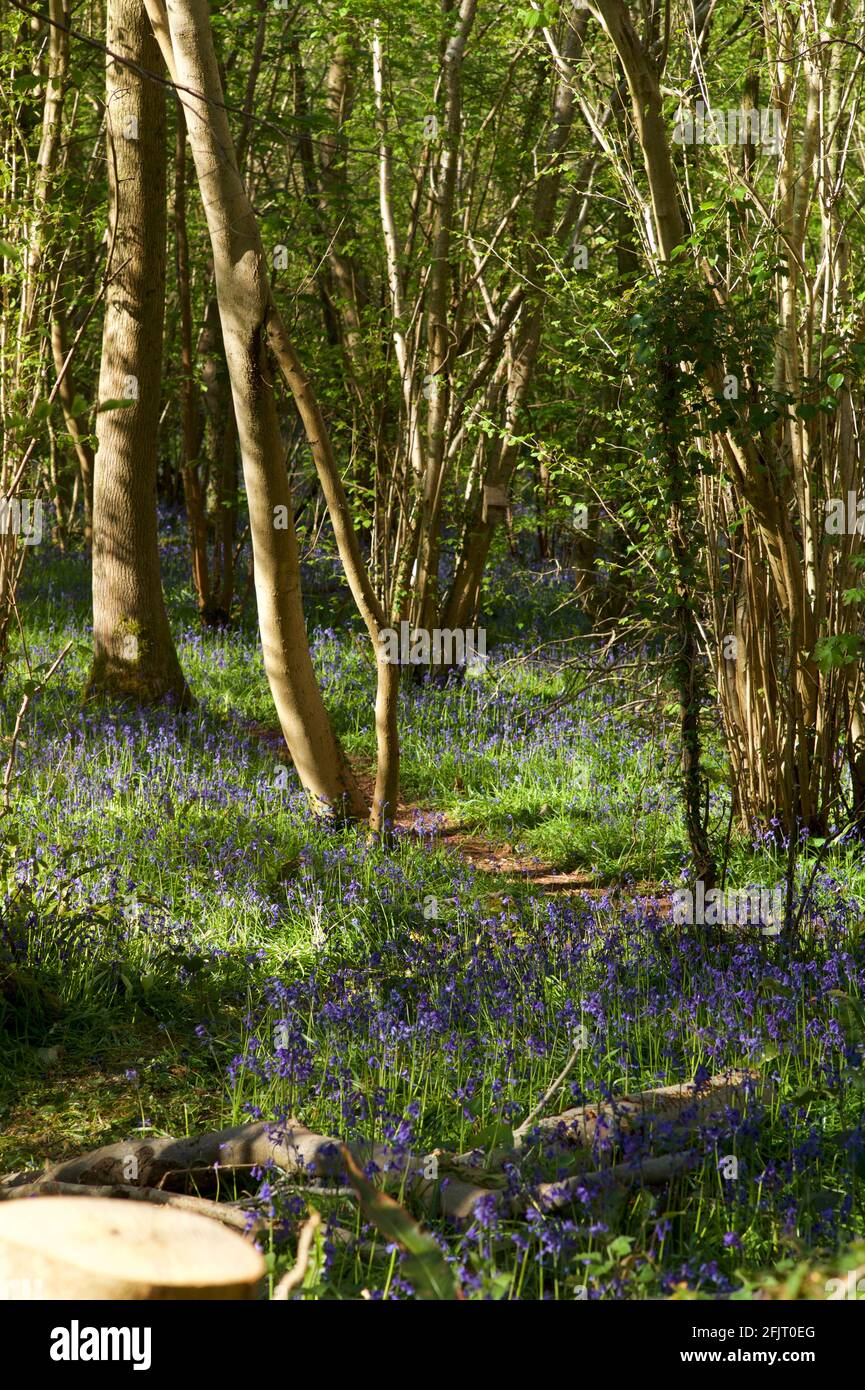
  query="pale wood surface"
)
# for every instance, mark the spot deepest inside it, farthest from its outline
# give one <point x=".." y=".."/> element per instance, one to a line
<point x="95" y="1248"/>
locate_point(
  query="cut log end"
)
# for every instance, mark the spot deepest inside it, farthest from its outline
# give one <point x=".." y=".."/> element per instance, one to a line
<point x="101" y="1248"/>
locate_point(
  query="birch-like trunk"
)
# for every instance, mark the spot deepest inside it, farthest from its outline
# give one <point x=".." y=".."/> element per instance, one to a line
<point x="243" y="293"/>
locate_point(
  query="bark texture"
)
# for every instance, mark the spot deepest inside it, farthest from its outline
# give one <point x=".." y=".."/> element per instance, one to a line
<point x="133" y="651"/>
<point x="245" y="306"/>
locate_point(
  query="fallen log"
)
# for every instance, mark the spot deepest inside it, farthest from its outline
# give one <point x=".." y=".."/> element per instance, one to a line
<point x="166" y="1162"/>
<point x="248" y="1223"/>
<point x="301" y="1153"/>
<point x="649" y="1172"/>
<point x="584" y="1126"/>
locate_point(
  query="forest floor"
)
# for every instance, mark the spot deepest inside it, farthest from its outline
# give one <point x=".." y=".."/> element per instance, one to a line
<point x="183" y="949"/>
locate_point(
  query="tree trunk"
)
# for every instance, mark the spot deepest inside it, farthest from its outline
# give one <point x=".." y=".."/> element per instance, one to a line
<point x="244" y="300"/>
<point x="221" y="502"/>
<point x="191" y="431"/>
<point x="76" y="428"/>
<point x="133" y="651"/>
<point x="463" y="598"/>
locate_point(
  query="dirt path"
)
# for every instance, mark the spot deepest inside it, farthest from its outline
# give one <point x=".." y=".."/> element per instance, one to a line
<point x="489" y="856"/>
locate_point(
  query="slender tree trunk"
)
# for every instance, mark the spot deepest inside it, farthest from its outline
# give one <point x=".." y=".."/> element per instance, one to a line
<point x="463" y="598"/>
<point x="439" y="327"/>
<point x="221" y="501"/>
<point x="41" y="260"/>
<point x="225" y="519"/>
<point x="76" y="428"/>
<point x="191" y="431"/>
<point x="688" y="678"/>
<point x="133" y="651"/>
<point x="244" y="299"/>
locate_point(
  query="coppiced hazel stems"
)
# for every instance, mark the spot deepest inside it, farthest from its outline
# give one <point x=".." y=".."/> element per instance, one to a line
<point x="779" y="591"/>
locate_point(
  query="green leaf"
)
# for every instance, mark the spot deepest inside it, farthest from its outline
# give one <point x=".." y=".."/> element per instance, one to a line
<point x="808" y="1095"/>
<point x="841" y="650"/>
<point x="426" y="1266"/>
<point x="620" y="1247"/>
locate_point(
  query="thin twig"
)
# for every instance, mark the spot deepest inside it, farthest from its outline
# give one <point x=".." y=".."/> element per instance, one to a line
<point x="16" y="732"/>
<point x="548" y="1094"/>
<point x="296" y="1274"/>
